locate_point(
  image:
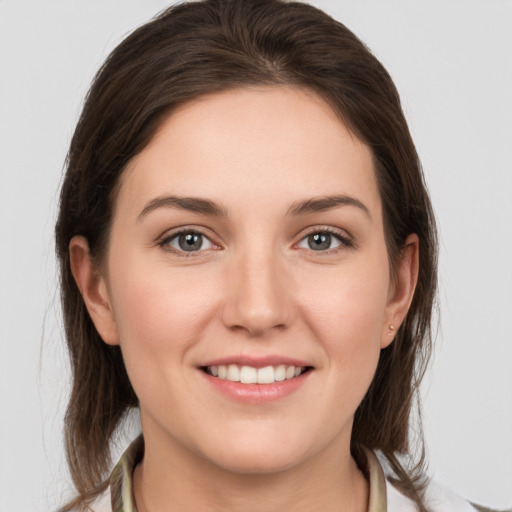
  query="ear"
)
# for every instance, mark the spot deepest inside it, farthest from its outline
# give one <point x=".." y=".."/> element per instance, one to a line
<point x="401" y="290"/>
<point x="93" y="287"/>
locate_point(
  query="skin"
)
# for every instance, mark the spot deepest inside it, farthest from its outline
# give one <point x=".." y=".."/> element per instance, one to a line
<point x="256" y="287"/>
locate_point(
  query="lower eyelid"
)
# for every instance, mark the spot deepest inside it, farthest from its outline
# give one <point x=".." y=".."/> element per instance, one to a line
<point x="343" y="239"/>
<point x="165" y="242"/>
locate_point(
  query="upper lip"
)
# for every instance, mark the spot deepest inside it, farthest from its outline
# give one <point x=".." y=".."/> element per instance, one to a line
<point x="256" y="362"/>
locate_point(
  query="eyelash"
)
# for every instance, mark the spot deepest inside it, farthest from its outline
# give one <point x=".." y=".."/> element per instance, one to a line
<point x="346" y="242"/>
<point x="164" y="243"/>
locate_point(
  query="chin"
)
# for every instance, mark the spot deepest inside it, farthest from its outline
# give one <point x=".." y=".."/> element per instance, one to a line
<point x="257" y="454"/>
<point x="258" y="462"/>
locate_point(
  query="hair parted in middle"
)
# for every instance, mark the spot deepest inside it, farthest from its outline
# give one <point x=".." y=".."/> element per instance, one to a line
<point x="203" y="47"/>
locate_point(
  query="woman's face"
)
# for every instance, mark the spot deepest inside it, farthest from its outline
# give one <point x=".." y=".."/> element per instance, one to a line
<point x="247" y="243"/>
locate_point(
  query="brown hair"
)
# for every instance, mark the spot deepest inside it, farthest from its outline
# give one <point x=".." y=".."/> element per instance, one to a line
<point x="201" y="47"/>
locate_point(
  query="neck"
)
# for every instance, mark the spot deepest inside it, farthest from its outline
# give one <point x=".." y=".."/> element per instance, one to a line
<point x="172" y="479"/>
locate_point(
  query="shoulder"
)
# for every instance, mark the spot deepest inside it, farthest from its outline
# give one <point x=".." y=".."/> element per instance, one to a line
<point x="438" y="498"/>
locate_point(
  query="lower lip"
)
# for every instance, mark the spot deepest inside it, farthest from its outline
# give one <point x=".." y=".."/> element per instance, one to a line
<point x="256" y="393"/>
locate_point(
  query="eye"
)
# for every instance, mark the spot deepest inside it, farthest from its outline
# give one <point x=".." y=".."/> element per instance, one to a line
<point x="324" y="241"/>
<point x="187" y="241"/>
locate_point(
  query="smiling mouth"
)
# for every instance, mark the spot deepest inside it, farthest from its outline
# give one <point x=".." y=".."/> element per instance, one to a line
<point x="250" y="375"/>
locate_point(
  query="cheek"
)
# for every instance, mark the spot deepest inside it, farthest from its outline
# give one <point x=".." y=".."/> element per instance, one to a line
<point x="159" y="311"/>
<point x="161" y="315"/>
<point x="348" y="304"/>
<point x="352" y="336"/>
<point x="346" y="313"/>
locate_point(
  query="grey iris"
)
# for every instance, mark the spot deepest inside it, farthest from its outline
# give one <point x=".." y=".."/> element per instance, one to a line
<point x="190" y="241"/>
<point x="319" y="241"/>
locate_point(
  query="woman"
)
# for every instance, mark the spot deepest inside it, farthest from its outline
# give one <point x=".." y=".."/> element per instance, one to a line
<point x="248" y="255"/>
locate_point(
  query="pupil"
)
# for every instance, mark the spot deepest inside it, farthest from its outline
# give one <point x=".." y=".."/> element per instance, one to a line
<point x="319" y="241"/>
<point x="190" y="242"/>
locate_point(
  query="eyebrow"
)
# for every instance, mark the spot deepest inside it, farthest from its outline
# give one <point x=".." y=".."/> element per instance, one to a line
<point x="207" y="207"/>
<point x="191" y="204"/>
<point x="320" y="204"/>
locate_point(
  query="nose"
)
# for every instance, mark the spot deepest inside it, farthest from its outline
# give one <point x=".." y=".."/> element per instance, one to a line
<point x="257" y="295"/>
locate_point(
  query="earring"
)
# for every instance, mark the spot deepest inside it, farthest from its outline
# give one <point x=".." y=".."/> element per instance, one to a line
<point x="392" y="329"/>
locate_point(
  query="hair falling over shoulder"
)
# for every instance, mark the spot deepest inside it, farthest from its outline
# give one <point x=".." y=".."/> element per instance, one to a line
<point x="201" y="47"/>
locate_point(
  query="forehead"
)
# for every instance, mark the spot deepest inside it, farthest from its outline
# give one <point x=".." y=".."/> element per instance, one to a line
<point x="268" y="144"/>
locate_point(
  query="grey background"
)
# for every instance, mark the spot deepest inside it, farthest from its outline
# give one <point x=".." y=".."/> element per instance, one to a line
<point x="452" y="63"/>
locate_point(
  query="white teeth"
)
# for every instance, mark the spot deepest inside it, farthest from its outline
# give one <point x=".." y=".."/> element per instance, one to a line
<point x="233" y="373"/>
<point x="280" y="373"/>
<point x="250" y="375"/>
<point x="266" y="375"/>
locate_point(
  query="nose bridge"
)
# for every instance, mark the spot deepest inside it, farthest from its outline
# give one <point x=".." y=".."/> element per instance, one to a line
<point x="256" y="300"/>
